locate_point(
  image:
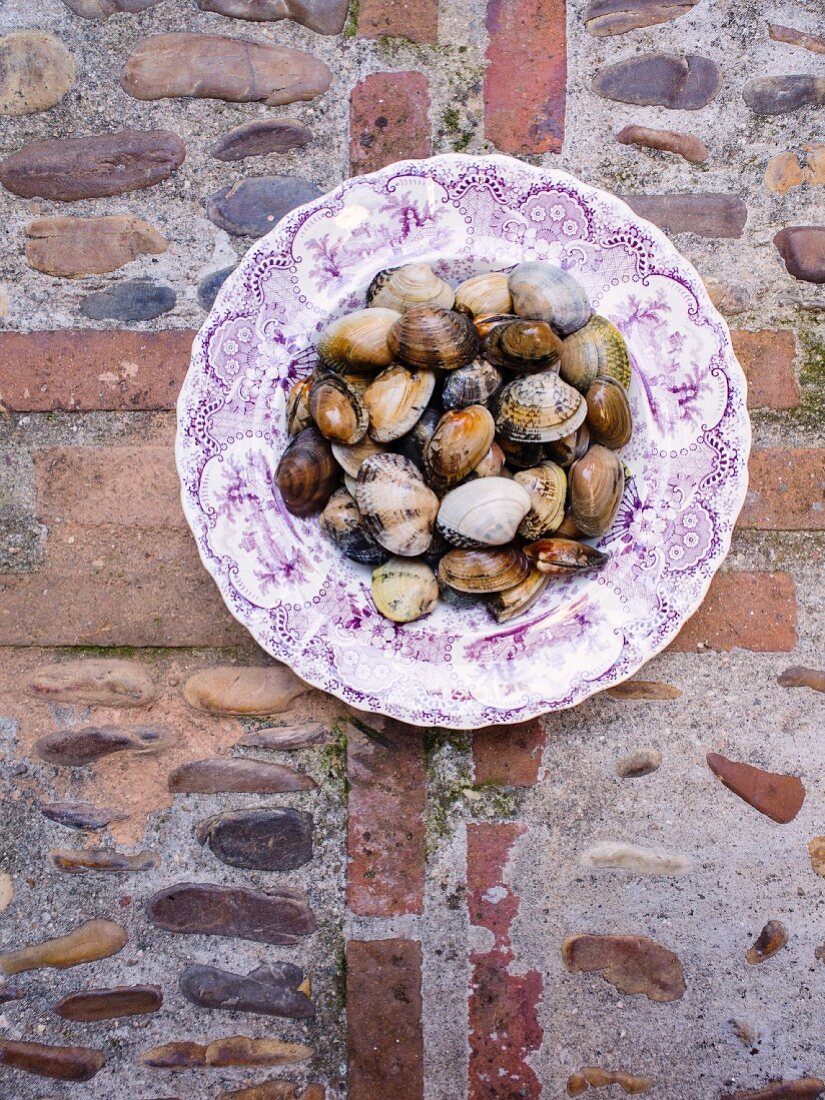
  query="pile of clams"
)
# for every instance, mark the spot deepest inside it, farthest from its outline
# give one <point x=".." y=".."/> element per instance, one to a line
<point x="464" y="441"/>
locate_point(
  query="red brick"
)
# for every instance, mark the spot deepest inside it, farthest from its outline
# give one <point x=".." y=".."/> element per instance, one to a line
<point x="786" y="491"/>
<point x="503" y="1006"/>
<point x="118" y="486"/>
<point x="389" y="120"/>
<point x="385" y="1043"/>
<point x="525" y="81"/>
<point x="385" y="831"/>
<point x="415" y="20"/>
<point x="509" y="756"/>
<point x="87" y="370"/>
<point x="767" y="358"/>
<point x="755" y="611"/>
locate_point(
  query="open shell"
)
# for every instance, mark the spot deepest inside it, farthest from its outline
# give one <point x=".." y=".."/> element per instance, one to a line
<point x="484" y="294"/>
<point x="404" y="590"/>
<point x="460" y="441"/>
<point x="396" y="400"/>
<point x="546" y="293"/>
<point x="538" y="408"/>
<point x="398" y="508"/>
<point x="483" y="512"/>
<point x="358" y="341"/>
<point x="403" y="288"/>
<point x="425" y="337"/>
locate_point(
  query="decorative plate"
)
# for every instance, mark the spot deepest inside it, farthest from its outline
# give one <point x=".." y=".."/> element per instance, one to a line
<point x="310" y="607"/>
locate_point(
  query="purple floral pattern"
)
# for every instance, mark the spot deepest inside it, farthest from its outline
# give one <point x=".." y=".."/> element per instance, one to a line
<point x="311" y="608"/>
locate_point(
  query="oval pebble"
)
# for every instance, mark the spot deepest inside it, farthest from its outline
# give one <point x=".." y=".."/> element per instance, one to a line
<point x="252" y="207"/>
<point x="133" y="300"/>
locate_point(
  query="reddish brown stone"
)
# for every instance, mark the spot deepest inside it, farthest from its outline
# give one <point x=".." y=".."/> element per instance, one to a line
<point x="278" y="839"/>
<point x="634" y="964"/>
<point x="215" y="66"/>
<point x="755" y="611"/>
<point x="684" y="145"/>
<point x="75" y="747"/>
<point x="385" y="826"/>
<point x="771" y="939"/>
<point x="707" y="215"/>
<point x="110" y="1004"/>
<point x="275" y="1090"/>
<point x="61" y="1063"/>
<point x="786" y="490"/>
<point x="503" y="1009"/>
<point x="70" y="248"/>
<point x="767" y="358"/>
<point x="802" y="247"/>
<point x="101" y="683"/>
<point x="806" y="1088"/>
<point x="526" y="79"/>
<point x="779" y="95"/>
<point x="248" y="692"/>
<point x="813" y="42"/>
<point x="782" y="173"/>
<point x="81" y="861"/>
<point x="92" y="167"/>
<point x="88" y="371"/>
<point x="384" y="1034"/>
<point x="287" y="738"/>
<point x="603" y="17"/>
<point x="237" y="775"/>
<point x="255" y="139"/>
<point x="321" y="16"/>
<point x="509" y="756"/>
<point x="389" y="120"/>
<point x="660" y="79"/>
<point x="593" y="1077"/>
<point x="279" y="916"/>
<point x="778" y="796"/>
<point x="415" y="20"/>
<point x="81" y="815"/>
<point x="797" y="676"/>
<point x="644" y="689"/>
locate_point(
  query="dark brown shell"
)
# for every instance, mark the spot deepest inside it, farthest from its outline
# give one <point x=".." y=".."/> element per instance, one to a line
<point x="566" y="450"/>
<point x="425" y="337"/>
<point x="596" y="487"/>
<point x="523" y="346"/>
<point x="307" y="473"/>
<point x="608" y="413"/>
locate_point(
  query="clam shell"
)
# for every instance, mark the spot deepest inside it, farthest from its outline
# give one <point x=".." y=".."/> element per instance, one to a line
<point x="349" y="458"/>
<point x="396" y="400"/>
<point x="426" y="337"/>
<point x="484" y="294"/>
<point x="559" y="555"/>
<point x="524" y="346"/>
<point x="414" y="443"/>
<point x="409" y="286"/>
<point x="521" y="456"/>
<point x="608" y="413"/>
<point x="596" y="351"/>
<point x="404" y="590"/>
<point x="492" y="464"/>
<point x="338" y="411"/>
<point x="511" y="603"/>
<point x="343" y="524"/>
<point x="538" y="408"/>
<point x="568" y="528"/>
<point x="298" y="415"/>
<point x="596" y="487"/>
<point x="547" y="486"/>
<point x="474" y="384"/>
<point x="483" y="570"/>
<point x="455" y="598"/>
<point x="307" y="473"/>
<point x="566" y="450"/>
<point x="544" y="292"/>
<point x="358" y="341"/>
<point x="483" y="512"/>
<point x="461" y="440"/>
<point x="398" y="508"/>
<point x="486" y="322"/>
<point x="350" y="484"/>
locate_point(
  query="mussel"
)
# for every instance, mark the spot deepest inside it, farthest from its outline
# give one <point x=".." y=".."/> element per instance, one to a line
<point x="564" y="556"/>
<point x="596" y="486"/>
<point x="608" y="413"/>
<point x="358" y="341"/>
<point x="460" y="441"/>
<point x="298" y="415"/>
<point x="566" y="450"/>
<point x="547" y="486"/>
<point x="425" y="337"/>
<point x="398" y="508"/>
<point x="474" y="384"/>
<point x="403" y="288"/>
<point x="514" y="601"/>
<point x="307" y="473"/>
<point x="597" y="350"/>
<point x="538" y="408"/>
<point x="338" y="411"/>
<point x="487" y="570"/>
<point x="483" y="512"/>
<point x="523" y="346"/>
<point x="404" y="590"/>
<point x="492" y="464"/>
<point x="396" y="400"/>
<point x="544" y="292"/>
<point x="414" y="443"/>
<point x="349" y="458"/>
<point x="484" y="294"/>
<point x="343" y="524"/>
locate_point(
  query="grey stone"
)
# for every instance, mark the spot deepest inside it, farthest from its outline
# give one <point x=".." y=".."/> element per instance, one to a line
<point x="259" y="840"/>
<point x="102" y="9"/>
<point x="132" y="300"/>
<point x="252" y="207"/>
<point x="191" y="908"/>
<point x="660" y="79"/>
<point x="271" y="989"/>
<point x="80" y="815"/>
<point x="604" y="17"/>
<point x="254" y="139"/>
<point x="322" y="16"/>
<point x="210" y="284"/>
<point x="779" y="95"/>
